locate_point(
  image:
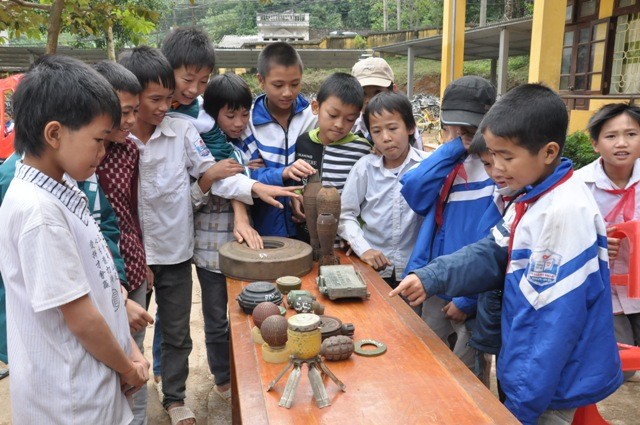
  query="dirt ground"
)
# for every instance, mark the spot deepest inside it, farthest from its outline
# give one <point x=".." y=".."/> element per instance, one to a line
<point x="622" y="408"/>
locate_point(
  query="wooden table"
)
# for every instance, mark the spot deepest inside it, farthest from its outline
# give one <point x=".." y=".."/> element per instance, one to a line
<point x="418" y="379"/>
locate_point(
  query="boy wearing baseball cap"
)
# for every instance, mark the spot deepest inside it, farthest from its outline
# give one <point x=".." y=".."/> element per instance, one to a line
<point x="452" y="191"/>
<point x="375" y="76"/>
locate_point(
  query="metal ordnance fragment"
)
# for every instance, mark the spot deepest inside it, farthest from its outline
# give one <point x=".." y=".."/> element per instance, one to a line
<point x="342" y="281"/>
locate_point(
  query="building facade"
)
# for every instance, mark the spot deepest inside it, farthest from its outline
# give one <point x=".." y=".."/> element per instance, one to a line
<point x="600" y="56"/>
<point x="287" y="26"/>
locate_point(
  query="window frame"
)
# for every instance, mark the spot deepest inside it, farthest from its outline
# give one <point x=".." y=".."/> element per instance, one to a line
<point x="626" y="10"/>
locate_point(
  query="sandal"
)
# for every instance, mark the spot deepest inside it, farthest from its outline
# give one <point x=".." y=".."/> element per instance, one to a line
<point x="224" y="394"/>
<point x="180" y="413"/>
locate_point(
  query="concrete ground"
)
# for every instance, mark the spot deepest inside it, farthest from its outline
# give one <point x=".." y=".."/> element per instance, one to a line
<point x="622" y="408"/>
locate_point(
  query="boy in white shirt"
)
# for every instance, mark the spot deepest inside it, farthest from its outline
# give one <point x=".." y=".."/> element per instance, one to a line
<point x="372" y="191"/>
<point x="612" y="179"/>
<point x="172" y="153"/>
<point x="72" y="356"/>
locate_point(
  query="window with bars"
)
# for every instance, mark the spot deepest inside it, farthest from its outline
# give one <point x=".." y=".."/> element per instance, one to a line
<point x="625" y="70"/>
<point x="583" y="52"/>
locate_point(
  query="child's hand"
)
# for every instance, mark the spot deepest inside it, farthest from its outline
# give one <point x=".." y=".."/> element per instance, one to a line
<point x="297" y="171"/>
<point x="138" y="317"/>
<point x="243" y="232"/>
<point x="139" y="359"/>
<point x="375" y="259"/>
<point x="149" y="279"/>
<point x="411" y="288"/>
<point x="254" y="164"/>
<point x="296" y="209"/>
<point x="613" y="244"/>
<point x="223" y="169"/>
<point x="453" y="313"/>
<point x="134" y="379"/>
<point x="269" y="193"/>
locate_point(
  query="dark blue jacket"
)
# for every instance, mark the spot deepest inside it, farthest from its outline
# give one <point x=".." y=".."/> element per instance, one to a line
<point x="465" y="206"/>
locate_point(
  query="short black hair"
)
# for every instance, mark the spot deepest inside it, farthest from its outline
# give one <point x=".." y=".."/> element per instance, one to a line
<point x="149" y="66"/>
<point x="189" y="46"/>
<point x="278" y="53"/>
<point x="608" y="112"/>
<point x="390" y="102"/>
<point x="530" y="115"/>
<point x="120" y="78"/>
<point x="63" y="89"/>
<point x="345" y="87"/>
<point x="226" y="90"/>
<point x="478" y="145"/>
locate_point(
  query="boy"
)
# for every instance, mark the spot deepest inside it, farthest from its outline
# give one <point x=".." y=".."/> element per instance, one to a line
<point x="192" y="57"/>
<point x="376" y="76"/>
<point x="558" y="348"/>
<point x="612" y="179"/>
<point x="118" y="177"/>
<point x="227" y="99"/>
<point x="372" y="192"/>
<point x="68" y="331"/>
<point x="278" y="118"/>
<point x="172" y="152"/>
<point x="452" y="191"/>
<point x="331" y="148"/>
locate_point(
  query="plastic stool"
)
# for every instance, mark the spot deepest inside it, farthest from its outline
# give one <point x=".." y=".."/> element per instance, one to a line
<point x="630" y="357"/>
<point x="631" y="231"/>
<point x="589" y="415"/>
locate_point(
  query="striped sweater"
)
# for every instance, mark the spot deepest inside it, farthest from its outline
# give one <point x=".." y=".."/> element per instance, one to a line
<point x="334" y="161"/>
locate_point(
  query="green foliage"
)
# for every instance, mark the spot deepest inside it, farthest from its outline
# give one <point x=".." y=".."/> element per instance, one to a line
<point x="361" y="42"/>
<point x="578" y="149"/>
<point x="87" y="20"/>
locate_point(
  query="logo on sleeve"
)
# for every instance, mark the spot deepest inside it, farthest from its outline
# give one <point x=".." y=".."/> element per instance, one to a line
<point x="201" y="148"/>
<point x="543" y="268"/>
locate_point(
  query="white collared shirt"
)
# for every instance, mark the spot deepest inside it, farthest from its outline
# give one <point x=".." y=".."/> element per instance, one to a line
<point x="52" y="254"/>
<point x="372" y="193"/>
<point x="598" y="182"/>
<point x="174" y="154"/>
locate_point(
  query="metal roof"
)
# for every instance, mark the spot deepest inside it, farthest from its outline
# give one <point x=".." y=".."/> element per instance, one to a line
<point x="479" y="43"/>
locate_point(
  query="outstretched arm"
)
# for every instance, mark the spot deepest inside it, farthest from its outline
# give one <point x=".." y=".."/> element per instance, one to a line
<point x="473" y="269"/>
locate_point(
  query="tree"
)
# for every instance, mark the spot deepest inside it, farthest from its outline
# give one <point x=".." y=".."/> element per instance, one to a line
<point x="100" y="19"/>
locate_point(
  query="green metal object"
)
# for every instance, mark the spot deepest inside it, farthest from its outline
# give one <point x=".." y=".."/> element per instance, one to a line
<point x="380" y="348"/>
<point x="342" y="281"/>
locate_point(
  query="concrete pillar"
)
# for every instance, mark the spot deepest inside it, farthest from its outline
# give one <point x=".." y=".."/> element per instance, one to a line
<point x="452" y="42"/>
<point x="493" y="72"/>
<point x="503" y="60"/>
<point x="410" y="56"/>
<point x="546" y="42"/>
<point x="483" y="13"/>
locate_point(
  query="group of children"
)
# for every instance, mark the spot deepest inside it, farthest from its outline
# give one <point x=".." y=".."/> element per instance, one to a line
<point x="494" y="223"/>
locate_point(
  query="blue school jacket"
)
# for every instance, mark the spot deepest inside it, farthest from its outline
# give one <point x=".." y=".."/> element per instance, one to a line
<point x="265" y="138"/>
<point x="558" y="346"/>
<point x="466" y="205"/>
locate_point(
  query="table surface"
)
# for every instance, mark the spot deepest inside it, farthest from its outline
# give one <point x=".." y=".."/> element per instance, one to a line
<point x="418" y="379"/>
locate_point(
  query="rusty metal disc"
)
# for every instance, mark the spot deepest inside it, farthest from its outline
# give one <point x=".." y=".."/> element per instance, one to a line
<point x="280" y="257"/>
<point x="329" y="326"/>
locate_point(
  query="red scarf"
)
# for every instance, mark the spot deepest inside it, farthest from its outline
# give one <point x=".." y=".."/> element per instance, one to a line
<point x="522" y="206"/>
<point x="446" y="188"/>
<point x="626" y="205"/>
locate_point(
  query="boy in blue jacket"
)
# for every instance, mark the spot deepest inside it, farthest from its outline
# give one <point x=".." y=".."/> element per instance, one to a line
<point x="452" y="191"/>
<point x="278" y="118"/>
<point x="558" y="346"/>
